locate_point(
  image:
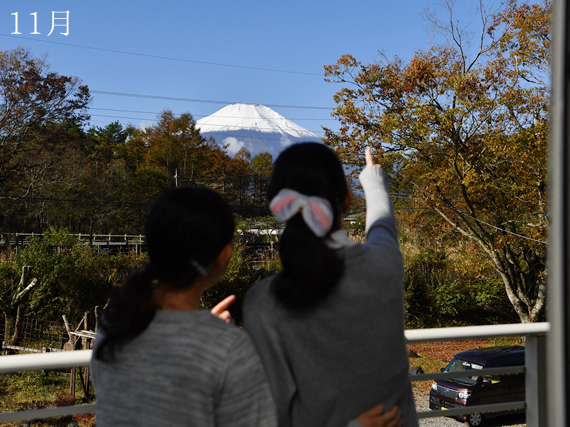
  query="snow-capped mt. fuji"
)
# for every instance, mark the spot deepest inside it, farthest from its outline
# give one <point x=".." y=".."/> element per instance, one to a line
<point x="255" y="127"/>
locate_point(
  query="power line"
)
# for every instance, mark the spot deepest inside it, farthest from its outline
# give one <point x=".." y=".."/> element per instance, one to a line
<point x="208" y="101"/>
<point x="204" y="115"/>
<point x="502" y="229"/>
<point x="264" y="138"/>
<point x="238" y="128"/>
<point x="123" y="117"/>
<point x="477" y="219"/>
<point x="169" y="58"/>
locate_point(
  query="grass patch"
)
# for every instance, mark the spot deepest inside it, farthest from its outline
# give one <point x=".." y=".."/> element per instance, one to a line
<point x="22" y="391"/>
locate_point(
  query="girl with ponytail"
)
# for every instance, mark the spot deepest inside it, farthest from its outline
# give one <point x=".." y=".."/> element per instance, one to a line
<point x="158" y="359"/>
<point x="329" y="328"/>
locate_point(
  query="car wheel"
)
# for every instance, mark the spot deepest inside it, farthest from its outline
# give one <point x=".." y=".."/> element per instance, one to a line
<point x="475" y="420"/>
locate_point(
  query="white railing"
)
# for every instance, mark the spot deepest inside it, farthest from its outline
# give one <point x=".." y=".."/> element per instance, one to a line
<point x="101" y="241"/>
<point x="135" y="238"/>
<point x="535" y="334"/>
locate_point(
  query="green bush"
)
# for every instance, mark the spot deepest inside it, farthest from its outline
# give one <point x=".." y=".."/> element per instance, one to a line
<point x="439" y="291"/>
<point x="72" y="278"/>
<point x="243" y="271"/>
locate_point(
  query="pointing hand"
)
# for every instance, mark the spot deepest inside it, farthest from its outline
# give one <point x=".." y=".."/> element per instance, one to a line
<point x="369" y="159"/>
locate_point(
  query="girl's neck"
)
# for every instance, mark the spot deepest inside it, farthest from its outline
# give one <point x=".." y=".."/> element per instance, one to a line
<point x="168" y="297"/>
<point x="173" y="298"/>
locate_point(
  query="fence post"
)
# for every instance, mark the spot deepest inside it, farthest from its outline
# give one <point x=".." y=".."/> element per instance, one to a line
<point x="535" y="381"/>
<point x="72" y="342"/>
<point x="85" y="378"/>
<point x="72" y="383"/>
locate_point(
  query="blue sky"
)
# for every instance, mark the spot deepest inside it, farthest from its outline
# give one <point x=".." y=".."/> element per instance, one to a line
<point x="124" y="46"/>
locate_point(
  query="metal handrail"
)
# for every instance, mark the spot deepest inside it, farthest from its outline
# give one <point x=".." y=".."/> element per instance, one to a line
<point x="494" y="407"/>
<point x="29" y="362"/>
<point x="472" y="332"/>
<point x="36" y="414"/>
<point x="36" y="361"/>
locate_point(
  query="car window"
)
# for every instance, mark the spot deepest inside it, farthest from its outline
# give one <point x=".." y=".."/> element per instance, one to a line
<point x="458" y="365"/>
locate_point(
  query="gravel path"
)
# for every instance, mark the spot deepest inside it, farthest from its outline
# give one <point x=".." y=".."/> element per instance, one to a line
<point x="422" y="405"/>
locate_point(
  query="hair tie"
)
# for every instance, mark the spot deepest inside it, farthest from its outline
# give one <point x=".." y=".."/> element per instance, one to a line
<point x="150" y="269"/>
<point x="199" y="267"/>
<point x="317" y="212"/>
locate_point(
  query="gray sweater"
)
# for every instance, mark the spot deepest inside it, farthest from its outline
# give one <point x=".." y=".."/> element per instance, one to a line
<point x="188" y="368"/>
<point x="349" y="354"/>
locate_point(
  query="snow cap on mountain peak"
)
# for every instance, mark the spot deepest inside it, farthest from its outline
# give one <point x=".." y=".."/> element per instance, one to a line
<point x="254" y="127"/>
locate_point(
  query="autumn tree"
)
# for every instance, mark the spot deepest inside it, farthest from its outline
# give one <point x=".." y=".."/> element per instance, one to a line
<point x="101" y="180"/>
<point x="239" y="180"/>
<point x="262" y="165"/>
<point x="464" y="130"/>
<point x="175" y="147"/>
<point x="41" y="115"/>
<point x="106" y="143"/>
<point x="36" y="107"/>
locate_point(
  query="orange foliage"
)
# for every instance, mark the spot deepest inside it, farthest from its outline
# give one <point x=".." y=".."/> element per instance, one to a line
<point x="465" y="138"/>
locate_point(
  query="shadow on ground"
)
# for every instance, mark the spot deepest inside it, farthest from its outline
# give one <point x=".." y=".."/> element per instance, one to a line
<point x="506" y="420"/>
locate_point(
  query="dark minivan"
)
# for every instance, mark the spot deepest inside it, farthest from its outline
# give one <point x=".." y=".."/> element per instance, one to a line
<point x="476" y="389"/>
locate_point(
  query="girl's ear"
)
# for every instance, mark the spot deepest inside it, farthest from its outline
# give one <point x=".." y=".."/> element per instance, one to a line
<point x="225" y="255"/>
<point x="347" y="201"/>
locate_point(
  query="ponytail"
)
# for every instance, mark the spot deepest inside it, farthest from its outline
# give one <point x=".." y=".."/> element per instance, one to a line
<point x="311" y="270"/>
<point x="128" y="313"/>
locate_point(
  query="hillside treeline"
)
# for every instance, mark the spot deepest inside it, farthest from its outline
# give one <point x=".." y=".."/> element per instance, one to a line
<point x="56" y="171"/>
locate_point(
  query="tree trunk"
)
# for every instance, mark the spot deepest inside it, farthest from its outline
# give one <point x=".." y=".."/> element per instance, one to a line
<point x="6" y="333"/>
<point x="528" y="312"/>
<point x="17" y="337"/>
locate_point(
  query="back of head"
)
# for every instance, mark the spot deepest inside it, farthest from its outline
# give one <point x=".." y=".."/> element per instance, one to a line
<point x="185" y="231"/>
<point x="312" y="169"/>
<point x="185" y="228"/>
<point x="311" y="269"/>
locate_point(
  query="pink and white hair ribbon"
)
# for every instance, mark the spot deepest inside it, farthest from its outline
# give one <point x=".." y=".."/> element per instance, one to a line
<point x="317" y="212"/>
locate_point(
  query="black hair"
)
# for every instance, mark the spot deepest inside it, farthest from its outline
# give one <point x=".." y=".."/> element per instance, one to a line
<point x="311" y="269"/>
<point x="185" y="231"/>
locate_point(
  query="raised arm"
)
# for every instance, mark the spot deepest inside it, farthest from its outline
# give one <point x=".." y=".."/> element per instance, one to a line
<point x="380" y="220"/>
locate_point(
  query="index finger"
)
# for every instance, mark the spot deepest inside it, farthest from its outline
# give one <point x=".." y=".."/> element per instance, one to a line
<point x="369" y="159"/>
<point x="223" y="305"/>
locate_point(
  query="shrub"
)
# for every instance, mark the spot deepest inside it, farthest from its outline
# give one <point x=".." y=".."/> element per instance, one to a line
<point x="243" y="271"/>
<point x="72" y="278"/>
<point x="442" y="291"/>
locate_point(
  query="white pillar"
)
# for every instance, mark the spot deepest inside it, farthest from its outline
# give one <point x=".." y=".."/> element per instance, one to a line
<point x="535" y="379"/>
<point x="559" y="218"/>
